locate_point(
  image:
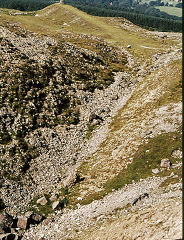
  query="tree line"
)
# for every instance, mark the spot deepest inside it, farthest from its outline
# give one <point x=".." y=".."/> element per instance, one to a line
<point x="26" y="5"/>
<point x="151" y="19"/>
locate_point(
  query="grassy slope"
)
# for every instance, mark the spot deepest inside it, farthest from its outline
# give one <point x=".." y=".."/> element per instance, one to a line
<point x="171" y="10"/>
<point x="165" y="1"/>
<point x="65" y="19"/>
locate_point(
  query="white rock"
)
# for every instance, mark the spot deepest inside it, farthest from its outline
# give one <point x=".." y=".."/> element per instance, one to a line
<point x="42" y="201"/>
<point x="177" y="154"/>
<point x="55" y="205"/>
<point x="53" y="198"/>
<point x="28" y="214"/>
<point x="155" y="171"/>
<point x="78" y="205"/>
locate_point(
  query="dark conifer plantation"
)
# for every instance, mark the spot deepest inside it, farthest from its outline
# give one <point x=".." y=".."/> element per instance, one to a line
<point x="26" y="5"/>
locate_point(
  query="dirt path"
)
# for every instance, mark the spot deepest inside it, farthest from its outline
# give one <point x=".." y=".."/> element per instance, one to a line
<point x="149" y="47"/>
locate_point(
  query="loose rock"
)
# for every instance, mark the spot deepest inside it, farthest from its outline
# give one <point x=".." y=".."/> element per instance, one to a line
<point x="22" y="222"/>
<point x="29" y="214"/>
<point x="53" y="198"/>
<point x="177" y="154"/>
<point x="155" y="171"/>
<point x="42" y="201"/>
<point x="165" y="163"/>
<point x="70" y="180"/>
<point x="56" y="205"/>
<point x="36" y="218"/>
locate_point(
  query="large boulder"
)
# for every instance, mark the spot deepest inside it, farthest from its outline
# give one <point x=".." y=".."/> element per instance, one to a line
<point x="22" y="222"/>
<point x="27" y="219"/>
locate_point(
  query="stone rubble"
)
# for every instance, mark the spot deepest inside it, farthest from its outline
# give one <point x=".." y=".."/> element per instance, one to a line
<point x="13" y="228"/>
<point x="62" y="149"/>
<point x="65" y="225"/>
<point x="55" y="155"/>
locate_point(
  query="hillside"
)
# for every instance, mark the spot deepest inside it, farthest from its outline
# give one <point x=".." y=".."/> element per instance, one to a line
<point x="147" y="14"/>
<point x="90" y="106"/>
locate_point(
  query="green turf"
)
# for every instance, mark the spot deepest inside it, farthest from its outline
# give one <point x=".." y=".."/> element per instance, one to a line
<point x="171" y="10"/>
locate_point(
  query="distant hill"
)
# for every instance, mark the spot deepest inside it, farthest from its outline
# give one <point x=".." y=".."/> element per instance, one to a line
<point x="142" y="6"/>
<point x="143" y="13"/>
